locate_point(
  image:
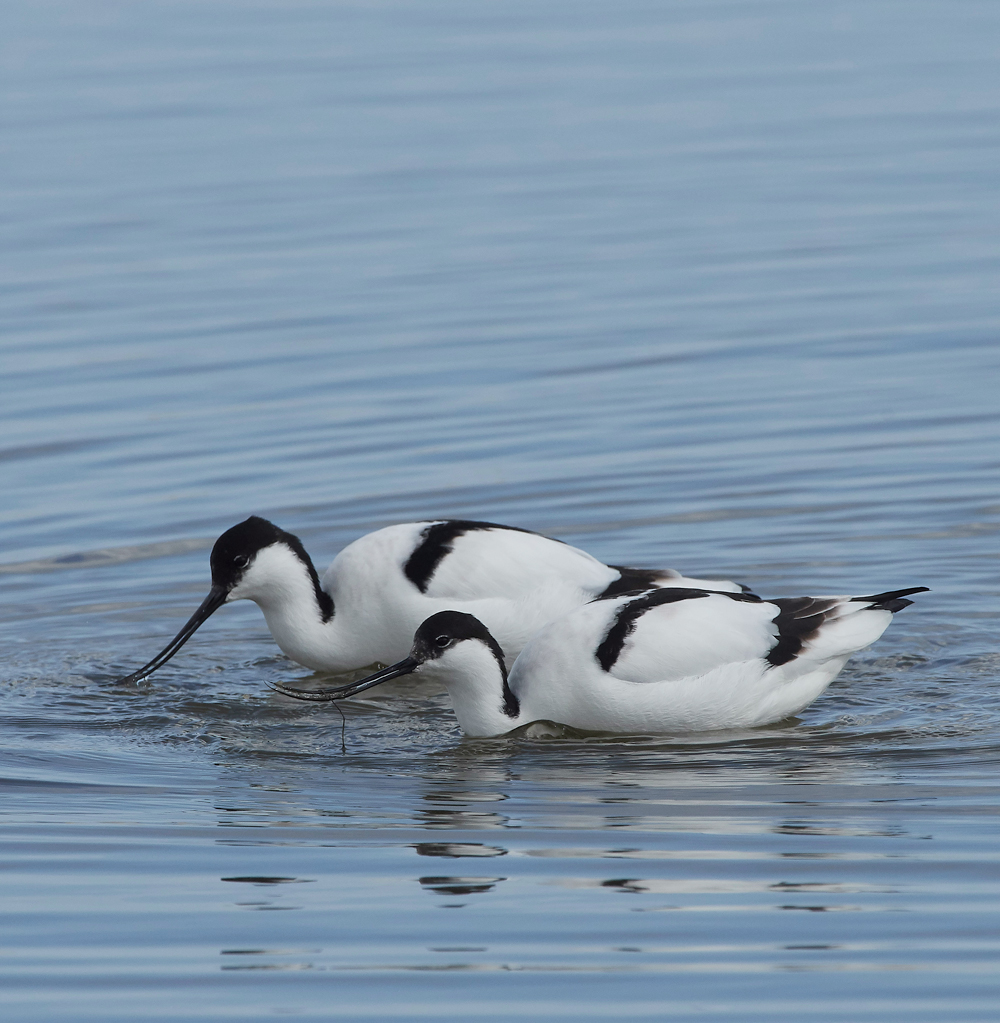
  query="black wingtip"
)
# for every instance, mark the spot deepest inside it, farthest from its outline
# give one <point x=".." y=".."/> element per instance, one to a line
<point x="891" y="600"/>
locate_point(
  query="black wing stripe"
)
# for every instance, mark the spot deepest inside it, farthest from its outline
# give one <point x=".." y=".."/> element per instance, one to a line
<point x="629" y="614"/>
<point x="437" y="542"/>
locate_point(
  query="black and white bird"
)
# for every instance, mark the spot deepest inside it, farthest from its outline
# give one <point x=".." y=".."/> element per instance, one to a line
<point x="382" y="586"/>
<point x="667" y="660"/>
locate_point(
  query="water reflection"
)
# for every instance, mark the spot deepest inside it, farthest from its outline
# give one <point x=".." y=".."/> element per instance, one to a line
<point x="458" y="849"/>
<point x="269" y="880"/>
<point x="460" y="885"/>
<point x="269" y="952"/>
<point x="263" y="881"/>
<point x="451" y="810"/>
<point x="449" y="819"/>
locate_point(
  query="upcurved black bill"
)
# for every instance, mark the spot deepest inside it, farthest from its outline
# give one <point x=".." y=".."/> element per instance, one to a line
<point x="403" y="667"/>
<point x="215" y="599"/>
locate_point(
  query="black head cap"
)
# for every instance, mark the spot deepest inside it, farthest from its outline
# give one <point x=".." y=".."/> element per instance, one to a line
<point x="443" y="630"/>
<point x="237" y="547"/>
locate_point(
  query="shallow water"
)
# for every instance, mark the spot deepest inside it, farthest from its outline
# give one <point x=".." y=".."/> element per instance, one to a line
<point x="708" y="285"/>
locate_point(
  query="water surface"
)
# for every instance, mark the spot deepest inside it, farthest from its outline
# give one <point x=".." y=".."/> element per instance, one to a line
<point x="703" y="285"/>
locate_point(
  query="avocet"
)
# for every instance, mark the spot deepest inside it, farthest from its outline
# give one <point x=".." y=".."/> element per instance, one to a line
<point x="668" y="660"/>
<point x="382" y="586"/>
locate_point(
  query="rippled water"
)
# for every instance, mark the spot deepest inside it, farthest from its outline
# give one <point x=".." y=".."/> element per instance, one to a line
<point x="709" y="285"/>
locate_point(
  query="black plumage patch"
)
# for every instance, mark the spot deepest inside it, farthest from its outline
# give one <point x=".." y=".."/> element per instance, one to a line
<point x="631" y="579"/>
<point x="634" y="580"/>
<point x="437" y="541"/>
<point x="801" y="618"/>
<point x="237" y="547"/>
<point x="798" y="620"/>
<point x="890" y="600"/>
<point x="629" y="614"/>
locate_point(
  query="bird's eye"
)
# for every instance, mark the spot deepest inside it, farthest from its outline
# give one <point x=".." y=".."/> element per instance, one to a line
<point x="241" y="561"/>
<point x="442" y="641"/>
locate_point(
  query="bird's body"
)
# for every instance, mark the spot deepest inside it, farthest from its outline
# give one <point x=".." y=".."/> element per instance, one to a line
<point x="387" y="582"/>
<point x="379" y="588"/>
<point x="667" y="660"/>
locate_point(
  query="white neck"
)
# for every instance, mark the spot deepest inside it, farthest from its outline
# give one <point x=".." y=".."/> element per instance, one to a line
<point x="475" y="684"/>
<point x="280" y="584"/>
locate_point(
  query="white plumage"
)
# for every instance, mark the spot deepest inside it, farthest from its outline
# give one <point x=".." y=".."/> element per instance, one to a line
<point x="668" y="660"/>
<point x="382" y="586"/>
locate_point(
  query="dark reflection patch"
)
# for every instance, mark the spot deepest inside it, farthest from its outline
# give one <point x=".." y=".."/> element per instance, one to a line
<point x="460" y="885"/>
<point x="263" y="879"/>
<point x="455" y="850"/>
<point x="634" y="885"/>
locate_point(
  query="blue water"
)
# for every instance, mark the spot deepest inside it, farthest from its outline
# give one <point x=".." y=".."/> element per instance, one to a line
<point x="704" y="285"/>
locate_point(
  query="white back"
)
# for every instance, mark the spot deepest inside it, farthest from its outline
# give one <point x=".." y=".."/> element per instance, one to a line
<point x="508" y="563"/>
<point x="695" y="636"/>
<point x="672" y="641"/>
